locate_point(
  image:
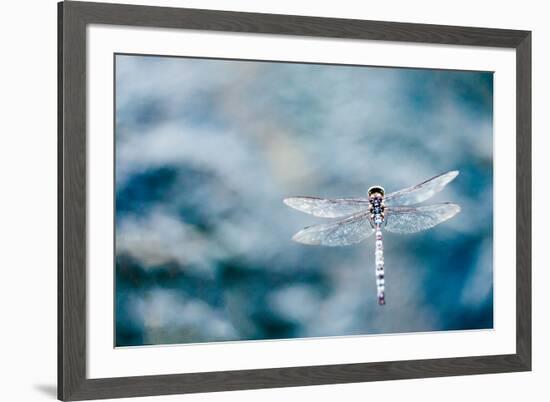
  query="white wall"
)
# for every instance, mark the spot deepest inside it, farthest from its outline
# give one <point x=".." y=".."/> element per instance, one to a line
<point x="28" y="188"/>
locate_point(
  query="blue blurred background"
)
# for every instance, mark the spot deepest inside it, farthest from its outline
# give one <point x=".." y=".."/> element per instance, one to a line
<point x="207" y="149"/>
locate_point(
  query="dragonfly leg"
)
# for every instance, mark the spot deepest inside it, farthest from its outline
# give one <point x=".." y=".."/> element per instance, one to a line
<point x="379" y="262"/>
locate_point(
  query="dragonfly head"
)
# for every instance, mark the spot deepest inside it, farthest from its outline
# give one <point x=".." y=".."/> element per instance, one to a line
<point x="376" y="190"/>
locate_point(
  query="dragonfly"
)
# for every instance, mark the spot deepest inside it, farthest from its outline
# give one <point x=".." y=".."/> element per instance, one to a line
<point x="355" y="219"/>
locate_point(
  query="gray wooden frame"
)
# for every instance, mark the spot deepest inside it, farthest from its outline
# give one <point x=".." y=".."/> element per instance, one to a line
<point x="73" y="18"/>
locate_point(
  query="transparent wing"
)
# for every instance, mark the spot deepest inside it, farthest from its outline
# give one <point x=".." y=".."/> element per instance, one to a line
<point x="420" y="192"/>
<point x="341" y="233"/>
<point x="416" y="219"/>
<point x="326" y="208"/>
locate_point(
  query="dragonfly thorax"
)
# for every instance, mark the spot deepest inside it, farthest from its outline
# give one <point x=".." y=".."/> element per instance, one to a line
<point x="376" y="198"/>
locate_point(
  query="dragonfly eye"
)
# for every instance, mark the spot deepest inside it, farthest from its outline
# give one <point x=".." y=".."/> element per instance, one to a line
<point x="376" y="190"/>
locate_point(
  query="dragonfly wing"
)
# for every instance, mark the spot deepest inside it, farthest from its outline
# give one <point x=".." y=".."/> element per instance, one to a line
<point x="326" y="208"/>
<point x="420" y="192"/>
<point x="416" y="219"/>
<point x="347" y="231"/>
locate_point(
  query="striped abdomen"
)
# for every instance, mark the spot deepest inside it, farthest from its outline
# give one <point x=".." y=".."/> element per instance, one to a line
<point x="379" y="262"/>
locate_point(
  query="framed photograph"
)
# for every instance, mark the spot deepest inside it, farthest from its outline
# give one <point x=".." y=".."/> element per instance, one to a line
<point x="256" y="201"/>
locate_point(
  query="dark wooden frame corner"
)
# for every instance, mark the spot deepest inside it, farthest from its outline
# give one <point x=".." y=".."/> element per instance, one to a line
<point x="73" y="18"/>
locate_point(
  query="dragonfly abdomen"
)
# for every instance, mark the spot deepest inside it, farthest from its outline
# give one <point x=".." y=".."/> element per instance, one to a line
<point x="379" y="262"/>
